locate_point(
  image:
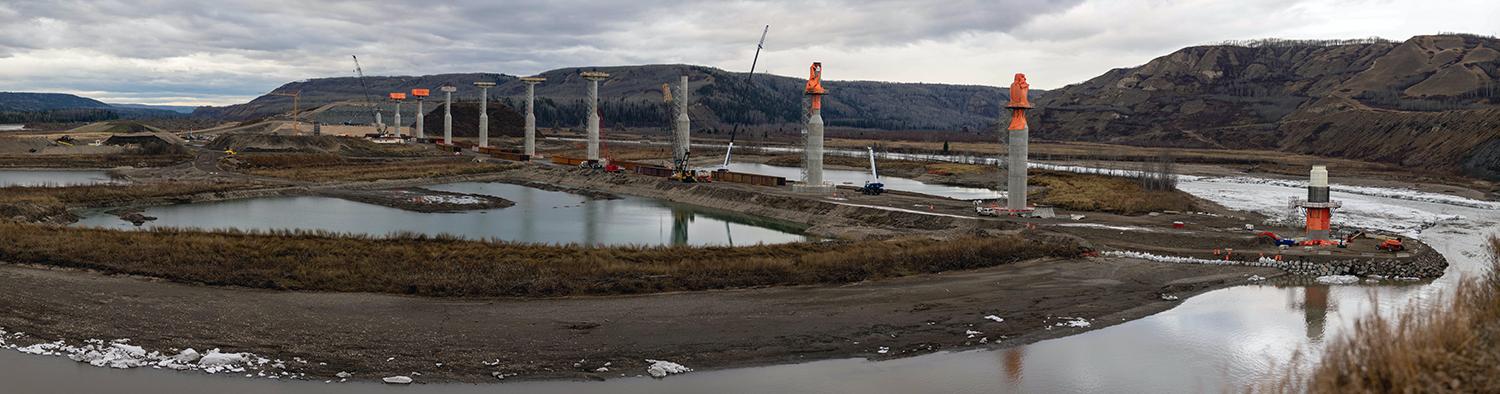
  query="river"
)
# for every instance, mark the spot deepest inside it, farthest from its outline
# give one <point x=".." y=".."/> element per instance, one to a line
<point x="1222" y="340"/>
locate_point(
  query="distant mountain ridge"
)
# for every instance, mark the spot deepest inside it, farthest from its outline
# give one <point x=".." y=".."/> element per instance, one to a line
<point x="632" y="96"/>
<point x="1428" y="102"/>
<point x="28" y="107"/>
<point x="29" y="102"/>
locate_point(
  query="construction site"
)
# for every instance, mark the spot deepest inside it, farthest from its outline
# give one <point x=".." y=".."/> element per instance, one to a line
<point x="600" y="254"/>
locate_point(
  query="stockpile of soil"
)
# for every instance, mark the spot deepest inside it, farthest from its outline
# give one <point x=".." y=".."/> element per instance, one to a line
<point x="504" y="121"/>
<point x="277" y="143"/>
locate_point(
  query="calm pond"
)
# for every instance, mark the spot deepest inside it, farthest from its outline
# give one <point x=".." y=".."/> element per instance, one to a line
<point x="538" y="216"/>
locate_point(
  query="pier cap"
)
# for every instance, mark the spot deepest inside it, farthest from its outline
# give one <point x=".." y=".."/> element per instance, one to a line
<point x="448" y="88"/>
<point x="419" y="93"/>
<point x="485" y="84"/>
<point x="533" y="79"/>
<point x="398" y="96"/>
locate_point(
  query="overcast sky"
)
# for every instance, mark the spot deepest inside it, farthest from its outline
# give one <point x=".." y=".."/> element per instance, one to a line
<point x="195" y="52"/>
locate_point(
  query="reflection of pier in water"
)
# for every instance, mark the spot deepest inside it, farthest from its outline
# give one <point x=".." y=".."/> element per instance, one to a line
<point x="1314" y="306"/>
<point x="680" y="220"/>
<point x="1013" y="359"/>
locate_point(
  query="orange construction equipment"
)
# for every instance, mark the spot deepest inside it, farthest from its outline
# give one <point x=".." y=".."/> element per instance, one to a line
<point x="815" y="85"/>
<point x="1018" y="102"/>
<point x="1392" y="245"/>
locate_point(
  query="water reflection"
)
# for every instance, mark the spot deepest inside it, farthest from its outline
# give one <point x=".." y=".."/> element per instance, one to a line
<point x="538" y="216"/>
<point x="1314" y="306"/>
<point x="53" y="177"/>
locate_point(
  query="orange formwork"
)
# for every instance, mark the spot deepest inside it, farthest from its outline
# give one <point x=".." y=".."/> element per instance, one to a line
<point x="1318" y="219"/>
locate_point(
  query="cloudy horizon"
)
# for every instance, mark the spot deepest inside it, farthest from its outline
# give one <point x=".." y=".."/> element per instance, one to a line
<point x="177" y="52"/>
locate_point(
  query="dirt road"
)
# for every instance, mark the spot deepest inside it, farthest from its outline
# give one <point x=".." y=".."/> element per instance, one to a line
<point x="381" y="335"/>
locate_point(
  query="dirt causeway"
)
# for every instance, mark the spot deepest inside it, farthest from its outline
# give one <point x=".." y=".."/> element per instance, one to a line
<point x="373" y="335"/>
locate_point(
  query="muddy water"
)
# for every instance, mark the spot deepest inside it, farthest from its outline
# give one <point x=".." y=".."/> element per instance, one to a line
<point x="538" y="216"/>
<point x="52" y="177"/>
<point x="1229" y="338"/>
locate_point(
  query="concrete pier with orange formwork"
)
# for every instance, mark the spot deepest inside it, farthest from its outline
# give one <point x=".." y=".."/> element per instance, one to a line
<point x="1017" y="136"/>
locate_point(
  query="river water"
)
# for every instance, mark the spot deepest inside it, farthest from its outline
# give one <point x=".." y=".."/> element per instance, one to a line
<point x="1222" y="340"/>
<point x="53" y="177"/>
<point x="538" y="216"/>
<point x="858" y="178"/>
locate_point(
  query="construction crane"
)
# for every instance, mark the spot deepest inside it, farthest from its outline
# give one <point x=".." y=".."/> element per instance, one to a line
<point x="296" y="109"/>
<point x="369" y="100"/>
<point x="873" y="187"/>
<point x="748" y="79"/>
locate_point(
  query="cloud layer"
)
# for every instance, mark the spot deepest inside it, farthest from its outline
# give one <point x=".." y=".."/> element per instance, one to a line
<point x="222" y="52"/>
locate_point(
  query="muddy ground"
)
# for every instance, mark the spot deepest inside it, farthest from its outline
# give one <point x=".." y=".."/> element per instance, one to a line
<point x="375" y="335"/>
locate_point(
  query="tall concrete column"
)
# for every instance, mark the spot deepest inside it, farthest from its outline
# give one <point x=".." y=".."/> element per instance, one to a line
<point x="1017" y="137"/>
<point x="398" y="118"/>
<point x="814" y="151"/>
<point x="448" y="113"/>
<point x="681" y="144"/>
<point x="593" y="117"/>
<point x="530" y="144"/>
<point x="484" y="112"/>
<point x="420" y="133"/>
<point x="812" y="160"/>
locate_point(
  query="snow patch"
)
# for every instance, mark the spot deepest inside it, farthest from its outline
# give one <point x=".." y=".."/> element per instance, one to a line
<point x="397" y="380"/>
<point x="660" y="369"/>
<point x="120" y="354"/>
<point x="1338" y="279"/>
<point x="994" y="318"/>
<point x="1074" y="322"/>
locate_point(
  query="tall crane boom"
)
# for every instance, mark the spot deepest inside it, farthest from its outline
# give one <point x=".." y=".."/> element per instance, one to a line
<point x="369" y="100"/>
<point x="758" y="47"/>
<point x="751" y="78"/>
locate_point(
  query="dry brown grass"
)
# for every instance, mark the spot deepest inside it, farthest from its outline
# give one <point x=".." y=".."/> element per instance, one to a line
<point x="442" y="266"/>
<point x="1452" y="348"/>
<point x="1086" y="192"/>
<point x="339" y="170"/>
<point x="107" y="195"/>
<point x="39" y="203"/>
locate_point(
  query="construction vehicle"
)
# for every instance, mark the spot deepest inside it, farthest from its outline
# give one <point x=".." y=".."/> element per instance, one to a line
<point x="682" y="173"/>
<point x="1276" y="240"/>
<point x="873" y="187"/>
<point x="1392" y="245"/>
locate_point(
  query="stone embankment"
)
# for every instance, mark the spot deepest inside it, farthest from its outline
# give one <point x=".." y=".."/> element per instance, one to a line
<point x="1421" y="262"/>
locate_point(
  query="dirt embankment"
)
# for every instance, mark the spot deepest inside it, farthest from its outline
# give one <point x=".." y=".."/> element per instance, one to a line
<point x="373" y="336"/>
